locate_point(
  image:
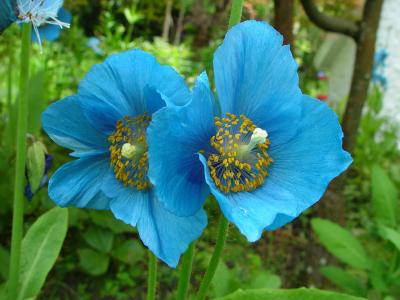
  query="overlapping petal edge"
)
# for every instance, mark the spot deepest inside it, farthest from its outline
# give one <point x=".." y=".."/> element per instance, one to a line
<point x="255" y="76"/>
<point x="128" y="83"/>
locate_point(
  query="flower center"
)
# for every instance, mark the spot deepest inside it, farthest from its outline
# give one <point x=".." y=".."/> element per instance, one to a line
<point x="128" y="151"/>
<point x="241" y="160"/>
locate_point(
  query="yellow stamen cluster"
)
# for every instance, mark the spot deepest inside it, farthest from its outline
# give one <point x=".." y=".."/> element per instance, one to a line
<point x="235" y="167"/>
<point x="130" y="170"/>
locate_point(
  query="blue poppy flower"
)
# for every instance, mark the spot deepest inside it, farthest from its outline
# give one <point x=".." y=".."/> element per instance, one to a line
<point x="378" y="76"/>
<point x="94" y="44"/>
<point x="41" y="13"/>
<point x="7" y="13"/>
<point x="51" y="32"/>
<point x="105" y="126"/>
<point x="266" y="155"/>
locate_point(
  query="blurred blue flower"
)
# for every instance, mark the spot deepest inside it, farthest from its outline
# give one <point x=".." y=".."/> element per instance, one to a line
<point x="379" y="66"/>
<point x="267" y="154"/>
<point x="105" y="126"/>
<point x="51" y="32"/>
<point x="94" y="44"/>
<point x="28" y="189"/>
<point x="39" y="13"/>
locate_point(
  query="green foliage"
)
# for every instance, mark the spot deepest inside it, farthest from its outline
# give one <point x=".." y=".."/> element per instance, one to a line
<point x="35" y="164"/>
<point x="347" y="281"/>
<point x="93" y="262"/>
<point x="99" y="238"/>
<point x="296" y="294"/>
<point x="341" y="243"/>
<point x="385" y="205"/>
<point x="40" y="249"/>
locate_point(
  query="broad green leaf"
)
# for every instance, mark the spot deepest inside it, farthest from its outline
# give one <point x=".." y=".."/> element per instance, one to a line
<point x="4" y="263"/>
<point x="341" y="243"/>
<point x="266" y="280"/>
<point x="391" y="235"/>
<point x="93" y="262"/>
<point x="35" y="164"/>
<point x="221" y="280"/>
<point x="344" y="280"/>
<point x="99" y="238"/>
<point x="384" y="198"/>
<point x="107" y="220"/>
<point x="282" y="294"/>
<point x="129" y="252"/>
<point x="37" y="101"/>
<point x="40" y="249"/>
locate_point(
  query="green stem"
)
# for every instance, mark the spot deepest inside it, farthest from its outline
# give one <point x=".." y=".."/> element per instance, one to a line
<point x="212" y="267"/>
<point x="152" y="277"/>
<point x="10" y="75"/>
<point x="236" y="12"/>
<point x="18" y="209"/>
<point x="186" y="270"/>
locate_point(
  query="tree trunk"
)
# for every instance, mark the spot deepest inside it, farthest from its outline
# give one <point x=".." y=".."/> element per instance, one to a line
<point x="179" y="26"/>
<point x="283" y="20"/>
<point x="167" y="21"/>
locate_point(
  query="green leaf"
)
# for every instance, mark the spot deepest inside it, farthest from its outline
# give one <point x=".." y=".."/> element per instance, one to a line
<point x="99" y="238"/>
<point x="391" y="235"/>
<point x="384" y="197"/>
<point x="40" y="249"/>
<point x="344" y="280"/>
<point x="266" y="280"/>
<point x="93" y="262"/>
<point x="37" y="101"/>
<point x="281" y="294"/>
<point x="36" y="163"/>
<point x="129" y="252"/>
<point x="107" y="220"/>
<point x="341" y="243"/>
<point x="4" y="263"/>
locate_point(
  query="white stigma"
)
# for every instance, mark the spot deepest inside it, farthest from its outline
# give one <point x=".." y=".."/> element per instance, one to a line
<point x="128" y="150"/>
<point x="259" y="136"/>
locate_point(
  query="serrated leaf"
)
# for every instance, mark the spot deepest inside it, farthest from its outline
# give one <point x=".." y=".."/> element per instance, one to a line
<point x="40" y="249"/>
<point x="35" y="164"/>
<point x="93" y="262"/>
<point x="341" y="243"/>
<point x="344" y="280"/>
<point x="128" y="252"/>
<point x="99" y="238"/>
<point x="282" y="294"/>
<point x="384" y="197"/>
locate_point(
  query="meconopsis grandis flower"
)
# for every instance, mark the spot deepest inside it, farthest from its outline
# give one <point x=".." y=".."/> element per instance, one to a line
<point x="105" y="125"/>
<point x="42" y="14"/>
<point x="265" y="151"/>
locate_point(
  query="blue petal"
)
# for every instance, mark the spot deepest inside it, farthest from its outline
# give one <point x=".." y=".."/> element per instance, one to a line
<point x="298" y="176"/>
<point x="165" y="234"/>
<point x="51" y="32"/>
<point x="66" y="125"/>
<point x="116" y="88"/>
<point x="78" y="183"/>
<point x="256" y="76"/>
<point x="7" y="14"/>
<point x="174" y="137"/>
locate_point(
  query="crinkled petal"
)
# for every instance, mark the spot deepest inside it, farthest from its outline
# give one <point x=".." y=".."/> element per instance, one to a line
<point x="78" y="183"/>
<point x="7" y="13"/>
<point x="256" y="76"/>
<point x="165" y="234"/>
<point x="298" y="176"/>
<point x="116" y="88"/>
<point x="66" y="125"/>
<point x="175" y="136"/>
